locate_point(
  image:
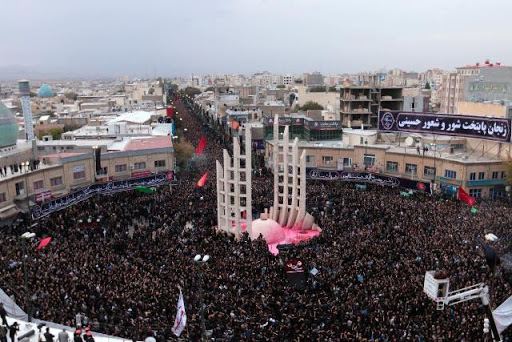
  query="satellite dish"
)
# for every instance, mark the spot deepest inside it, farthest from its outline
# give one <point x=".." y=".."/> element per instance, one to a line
<point x="409" y="141"/>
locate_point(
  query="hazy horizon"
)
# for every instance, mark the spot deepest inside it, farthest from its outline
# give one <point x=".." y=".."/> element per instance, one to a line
<point x="167" y="38"/>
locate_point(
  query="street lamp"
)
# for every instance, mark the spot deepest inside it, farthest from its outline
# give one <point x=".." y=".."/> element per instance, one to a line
<point x="365" y="153"/>
<point x="24" y="238"/>
<point x="201" y="260"/>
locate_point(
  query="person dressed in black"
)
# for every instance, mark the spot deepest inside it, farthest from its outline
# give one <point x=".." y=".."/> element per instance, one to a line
<point x="48" y="335"/>
<point x="88" y="337"/>
<point x="78" y="337"/>
<point x="13" y="330"/>
<point x="3" y="313"/>
<point x="3" y="333"/>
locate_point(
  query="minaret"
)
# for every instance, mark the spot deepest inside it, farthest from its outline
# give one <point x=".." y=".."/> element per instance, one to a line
<point x="24" y="88"/>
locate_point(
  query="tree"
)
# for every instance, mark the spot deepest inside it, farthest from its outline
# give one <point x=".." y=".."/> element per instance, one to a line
<point x="191" y="91"/>
<point x="210" y="89"/>
<point x="183" y="151"/>
<point x="55" y="132"/>
<point x="311" y="105"/>
<point x="332" y="89"/>
<point x="317" y="89"/>
<point x="71" y="95"/>
<point x="427" y="85"/>
<point x="151" y="91"/>
<point x="281" y="86"/>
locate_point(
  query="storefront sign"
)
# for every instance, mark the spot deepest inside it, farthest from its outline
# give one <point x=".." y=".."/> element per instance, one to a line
<point x="323" y="125"/>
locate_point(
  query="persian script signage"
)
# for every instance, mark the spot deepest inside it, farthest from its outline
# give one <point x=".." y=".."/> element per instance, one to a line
<point x="497" y="129"/>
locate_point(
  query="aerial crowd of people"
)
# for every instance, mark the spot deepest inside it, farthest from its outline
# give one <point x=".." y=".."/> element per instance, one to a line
<point x="120" y="260"/>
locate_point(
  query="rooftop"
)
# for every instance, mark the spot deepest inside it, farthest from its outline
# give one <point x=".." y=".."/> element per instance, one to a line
<point x="148" y="143"/>
<point x="135" y="117"/>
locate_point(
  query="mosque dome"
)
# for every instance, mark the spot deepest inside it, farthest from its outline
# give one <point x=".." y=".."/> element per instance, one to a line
<point x="45" y="91"/>
<point x="271" y="231"/>
<point x="8" y="127"/>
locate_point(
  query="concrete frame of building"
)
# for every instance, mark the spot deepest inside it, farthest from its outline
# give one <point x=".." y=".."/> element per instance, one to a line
<point x="234" y="183"/>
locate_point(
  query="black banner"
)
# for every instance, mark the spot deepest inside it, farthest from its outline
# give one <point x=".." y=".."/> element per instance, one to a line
<point x="367" y="177"/>
<point x="283" y="121"/>
<point x="49" y="207"/>
<point x="324" y="125"/>
<point x="497" y="129"/>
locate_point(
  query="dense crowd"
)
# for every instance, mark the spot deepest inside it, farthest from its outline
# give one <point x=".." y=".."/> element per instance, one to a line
<point x="120" y="260"/>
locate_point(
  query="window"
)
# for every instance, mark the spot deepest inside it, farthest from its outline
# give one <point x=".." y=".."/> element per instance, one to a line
<point x="347" y="161"/>
<point x="391" y="166"/>
<point x="495" y="175"/>
<point x="78" y="172"/>
<point x="159" y="163"/>
<point x="139" y="166"/>
<point x="369" y="160"/>
<point x="429" y="172"/>
<point x="472" y="176"/>
<point x="327" y="159"/>
<point x="361" y="140"/>
<point x="20" y="188"/>
<point x="503" y="174"/>
<point x="310" y="159"/>
<point x="450" y="174"/>
<point x="481" y="175"/>
<point x="3" y="197"/>
<point x="475" y="193"/>
<point x="38" y="185"/>
<point x="56" y="181"/>
<point x="411" y="169"/>
<point x="121" y="168"/>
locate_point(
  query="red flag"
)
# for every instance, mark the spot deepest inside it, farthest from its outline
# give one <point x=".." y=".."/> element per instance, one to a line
<point x="202" y="144"/>
<point x="202" y="181"/>
<point x="463" y="196"/>
<point x="235" y="124"/>
<point x="44" y="242"/>
<point x="170" y="112"/>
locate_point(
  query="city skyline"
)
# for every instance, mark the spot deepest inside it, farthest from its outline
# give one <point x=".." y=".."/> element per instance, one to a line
<point x="109" y="39"/>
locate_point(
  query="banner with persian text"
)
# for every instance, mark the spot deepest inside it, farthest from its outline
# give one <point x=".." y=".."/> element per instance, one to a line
<point x="44" y="209"/>
<point x="497" y="129"/>
<point x="367" y="177"/>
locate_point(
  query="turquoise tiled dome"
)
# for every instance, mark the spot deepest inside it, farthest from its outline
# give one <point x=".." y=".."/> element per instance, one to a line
<point x="8" y="127"/>
<point x="45" y="91"/>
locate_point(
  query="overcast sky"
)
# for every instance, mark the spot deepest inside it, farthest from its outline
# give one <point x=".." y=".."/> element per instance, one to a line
<point x="167" y="37"/>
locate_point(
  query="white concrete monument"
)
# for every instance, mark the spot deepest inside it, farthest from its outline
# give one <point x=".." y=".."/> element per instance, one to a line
<point x="234" y="192"/>
<point x="289" y="207"/>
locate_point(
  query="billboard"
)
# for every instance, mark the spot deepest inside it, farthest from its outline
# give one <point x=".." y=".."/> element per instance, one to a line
<point x="283" y="121"/>
<point x="323" y="125"/>
<point x="497" y="129"/>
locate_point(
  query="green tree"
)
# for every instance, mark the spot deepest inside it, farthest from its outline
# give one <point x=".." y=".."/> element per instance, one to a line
<point x="151" y="91"/>
<point x="183" y="151"/>
<point x="210" y="89"/>
<point x="71" y="95"/>
<point x="332" y="89"/>
<point x="311" y="105"/>
<point x="281" y="86"/>
<point x="427" y="85"/>
<point x="192" y="91"/>
<point x="55" y="132"/>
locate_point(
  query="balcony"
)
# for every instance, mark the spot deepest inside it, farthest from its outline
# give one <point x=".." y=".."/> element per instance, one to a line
<point x="486" y="182"/>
